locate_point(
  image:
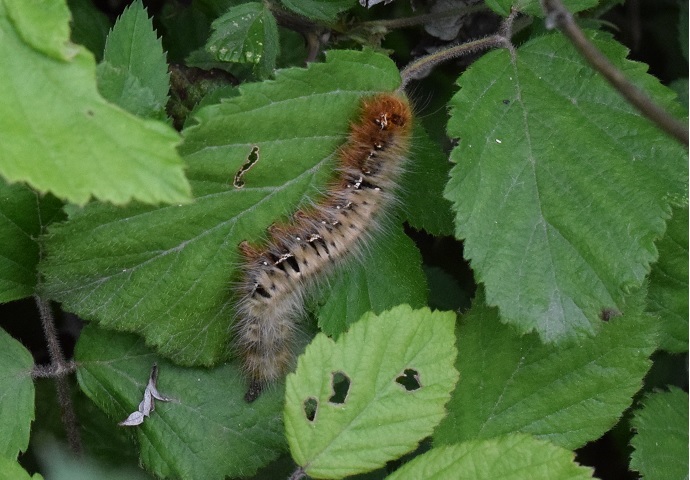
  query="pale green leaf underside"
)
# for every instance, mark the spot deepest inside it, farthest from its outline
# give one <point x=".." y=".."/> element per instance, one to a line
<point x="568" y="394"/>
<point x="207" y="431"/>
<point x="134" y="72"/>
<point x="560" y="188"/>
<point x="16" y="396"/>
<point x="247" y="34"/>
<point x="668" y="284"/>
<point x="661" y="443"/>
<point x="166" y="272"/>
<point x="512" y="457"/>
<point x="61" y="136"/>
<point x="379" y="419"/>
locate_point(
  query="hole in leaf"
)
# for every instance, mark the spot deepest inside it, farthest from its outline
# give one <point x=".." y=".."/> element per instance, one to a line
<point x="409" y="380"/>
<point x="310" y="405"/>
<point x="340" y="385"/>
<point x="252" y="158"/>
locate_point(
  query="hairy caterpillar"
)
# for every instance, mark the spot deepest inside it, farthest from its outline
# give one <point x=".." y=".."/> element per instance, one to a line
<point x="277" y="275"/>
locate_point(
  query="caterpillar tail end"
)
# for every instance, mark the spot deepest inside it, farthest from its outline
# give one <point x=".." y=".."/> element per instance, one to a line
<point x="253" y="392"/>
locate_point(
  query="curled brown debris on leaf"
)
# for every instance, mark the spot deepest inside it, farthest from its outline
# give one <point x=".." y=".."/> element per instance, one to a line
<point x="146" y="406"/>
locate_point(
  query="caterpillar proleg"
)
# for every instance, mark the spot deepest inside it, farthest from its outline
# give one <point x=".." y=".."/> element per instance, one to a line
<point x="277" y="275"/>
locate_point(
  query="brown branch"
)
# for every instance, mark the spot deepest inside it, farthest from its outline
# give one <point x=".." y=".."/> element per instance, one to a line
<point x="558" y="16"/>
<point x="58" y="364"/>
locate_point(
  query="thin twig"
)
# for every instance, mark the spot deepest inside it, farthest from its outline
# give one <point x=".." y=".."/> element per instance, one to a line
<point x="558" y="16"/>
<point x="58" y="364"/>
<point x="53" y="371"/>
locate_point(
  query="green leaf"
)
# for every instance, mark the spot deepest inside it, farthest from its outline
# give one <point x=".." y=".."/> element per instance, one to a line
<point x="515" y="456"/>
<point x="207" y="431"/>
<point x="16" y="396"/>
<point x="668" y="284"/>
<point x="134" y="71"/>
<point x="377" y="418"/>
<point x="165" y="272"/>
<point x="248" y="34"/>
<point x="325" y="10"/>
<point x="422" y="193"/>
<point x="661" y="443"/>
<point x="390" y="274"/>
<point x="60" y="136"/>
<point x="533" y="7"/>
<point x="568" y="394"/>
<point x="90" y="26"/>
<point x="11" y="470"/>
<point x="560" y="187"/>
<point x="23" y="216"/>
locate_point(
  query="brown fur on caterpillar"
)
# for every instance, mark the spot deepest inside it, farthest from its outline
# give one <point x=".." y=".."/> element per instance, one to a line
<point x="277" y="275"/>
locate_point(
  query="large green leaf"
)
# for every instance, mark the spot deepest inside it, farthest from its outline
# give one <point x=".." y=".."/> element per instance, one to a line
<point x="334" y="433"/>
<point x="512" y="457"/>
<point x="568" y="394"/>
<point x="668" y="284"/>
<point x="134" y="71"/>
<point x="11" y="470"/>
<point x="23" y="216"/>
<point x="16" y="396"/>
<point x="325" y="10"/>
<point x="661" y="443"/>
<point x="59" y="134"/>
<point x="206" y="431"/>
<point x="560" y="187"/>
<point x="166" y="272"/>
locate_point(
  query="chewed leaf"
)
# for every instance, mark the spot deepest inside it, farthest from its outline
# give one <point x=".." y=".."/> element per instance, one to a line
<point x="354" y="404"/>
<point x="166" y="272"/>
<point x="554" y="228"/>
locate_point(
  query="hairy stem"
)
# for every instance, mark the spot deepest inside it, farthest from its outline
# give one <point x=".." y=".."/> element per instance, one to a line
<point x="59" y="365"/>
<point x="423" y="19"/>
<point x="558" y="16"/>
<point x="298" y="474"/>
<point x="421" y="66"/>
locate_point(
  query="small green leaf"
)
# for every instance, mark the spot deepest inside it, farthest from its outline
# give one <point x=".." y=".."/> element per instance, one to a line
<point x="390" y="274"/>
<point x="16" y="396"/>
<point x="533" y="7"/>
<point x="207" y="431"/>
<point x="247" y="33"/>
<point x="11" y="470"/>
<point x="165" y="272"/>
<point x="395" y="373"/>
<point x="134" y="72"/>
<point x="23" y="216"/>
<point x="60" y="136"/>
<point x="511" y="457"/>
<point x="560" y="188"/>
<point x="661" y="443"/>
<point x="568" y="394"/>
<point x="325" y="10"/>
<point x="668" y="284"/>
